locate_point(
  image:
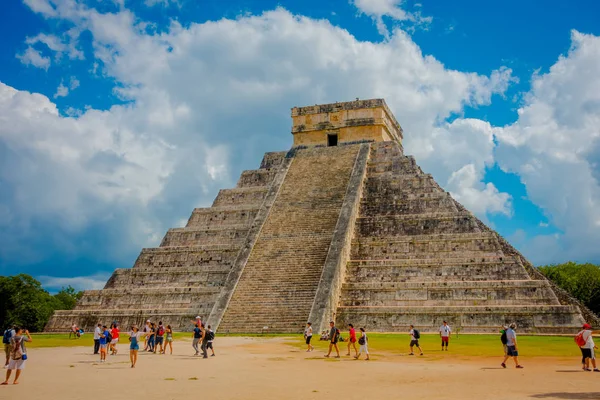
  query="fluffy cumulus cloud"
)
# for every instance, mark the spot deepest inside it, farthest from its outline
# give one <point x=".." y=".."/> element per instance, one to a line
<point x="203" y="102"/>
<point x="378" y="9"/>
<point x="34" y="58"/>
<point x="555" y="148"/>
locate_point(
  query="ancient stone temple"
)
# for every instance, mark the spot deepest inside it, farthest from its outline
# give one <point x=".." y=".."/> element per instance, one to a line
<point x="342" y="226"/>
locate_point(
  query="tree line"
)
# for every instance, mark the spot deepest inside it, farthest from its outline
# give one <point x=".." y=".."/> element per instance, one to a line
<point x="24" y="302"/>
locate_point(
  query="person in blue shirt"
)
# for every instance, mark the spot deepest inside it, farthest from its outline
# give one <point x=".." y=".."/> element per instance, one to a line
<point x="103" y="343"/>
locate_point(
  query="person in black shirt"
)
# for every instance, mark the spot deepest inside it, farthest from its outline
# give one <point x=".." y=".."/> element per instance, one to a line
<point x="334" y="335"/>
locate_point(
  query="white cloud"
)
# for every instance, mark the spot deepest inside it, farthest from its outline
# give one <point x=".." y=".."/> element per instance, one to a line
<point x="54" y="283"/>
<point x="377" y="9"/>
<point x="201" y="94"/>
<point x="33" y="57"/>
<point x="61" y="91"/>
<point x="555" y="147"/>
<point x="67" y="45"/>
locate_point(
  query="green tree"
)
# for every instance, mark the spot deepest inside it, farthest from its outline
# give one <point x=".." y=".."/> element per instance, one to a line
<point x="582" y="281"/>
<point x="67" y="298"/>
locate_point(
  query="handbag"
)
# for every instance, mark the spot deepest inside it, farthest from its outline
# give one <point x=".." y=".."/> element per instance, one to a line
<point x="24" y="357"/>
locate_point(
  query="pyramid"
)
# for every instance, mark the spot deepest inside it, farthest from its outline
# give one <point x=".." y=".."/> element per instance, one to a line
<point x="342" y="226"/>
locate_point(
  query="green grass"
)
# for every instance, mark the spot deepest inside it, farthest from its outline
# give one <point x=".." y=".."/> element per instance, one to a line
<point x="380" y="343"/>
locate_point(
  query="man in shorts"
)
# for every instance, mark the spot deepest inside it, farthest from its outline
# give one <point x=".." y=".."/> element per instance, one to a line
<point x="587" y="350"/>
<point x="334" y="336"/>
<point x="511" y="346"/>
<point x="414" y="340"/>
<point x="445" y="332"/>
<point x="9" y="333"/>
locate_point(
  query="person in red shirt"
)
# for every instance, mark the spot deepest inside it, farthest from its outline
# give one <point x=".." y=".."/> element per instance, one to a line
<point x="352" y="340"/>
<point x="114" y="332"/>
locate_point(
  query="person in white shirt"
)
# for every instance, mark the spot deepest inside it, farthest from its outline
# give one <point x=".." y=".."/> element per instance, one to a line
<point x="445" y="332"/>
<point x="587" y="350"/>
<point x="97" y="333"/>
<point x="308" y="336"/>
<point x="511" y="346"/>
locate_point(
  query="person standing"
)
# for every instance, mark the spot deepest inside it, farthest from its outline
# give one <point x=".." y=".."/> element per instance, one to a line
<point x="104" y="340"/>
<point x="415" y="335"/>
<point x="363" y="342"/>
<point x="114" y="333"/>
<point x="146" y="331"/>
<point x="9" y="333"/>
<point x="587" y="350"/>
<point x="169" y="340"/>
<point x="160" y="332"/>
<point x="152" y="338"/>
<point x="511" y="346"/>
<point x="18" y="354"/>
<point x="352" y="339"/>
<point x="97" y="333"/>
<point x="134" y="346"/>
<point x="308" y="333"/>
<point x="334" y="336"/>
<point x="196" y="335"/>
<point x="445" y="332"/>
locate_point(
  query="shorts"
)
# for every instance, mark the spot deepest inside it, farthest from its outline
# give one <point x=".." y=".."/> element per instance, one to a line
<point x="209" y="345"/>
<point x="511" y="351"/>
<point x="445" y="339"/>
<point x="134" y="346"/>
<point x="169" y="339"/>
<point x="103" y="348"/>
<point x="308" y="338"/>
<point x="16" y="364"/>
<point x="334" y="341"/>
<point x="587" y="353"/>
<point x="159" y="340"/>
<point x="352" y="340"/>
<point x="7" y="348"/>
<point x="414" y="343"/>
<point x="114" y="341"/>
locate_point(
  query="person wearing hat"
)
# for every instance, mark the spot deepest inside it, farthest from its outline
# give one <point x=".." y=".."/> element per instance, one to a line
<point x="587" y="350"/>
<point x="511" y="346"/>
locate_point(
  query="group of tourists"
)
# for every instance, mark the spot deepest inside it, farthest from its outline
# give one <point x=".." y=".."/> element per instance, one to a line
<point x="334" y="336"/>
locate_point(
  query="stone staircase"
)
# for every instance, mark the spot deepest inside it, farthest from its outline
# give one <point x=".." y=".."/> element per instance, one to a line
<point x="183" y="277"/>
<point x="418" y="257"/>
<point x="278" y="284"/>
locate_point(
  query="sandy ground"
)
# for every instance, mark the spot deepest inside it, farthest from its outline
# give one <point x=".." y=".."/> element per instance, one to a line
<point x="257" y="368"/>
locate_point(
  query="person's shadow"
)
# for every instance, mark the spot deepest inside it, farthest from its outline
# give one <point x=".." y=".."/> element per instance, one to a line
<point x="568" y="396"/>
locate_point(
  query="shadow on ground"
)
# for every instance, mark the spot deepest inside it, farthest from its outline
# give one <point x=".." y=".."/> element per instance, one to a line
<point x="566" y="395"/>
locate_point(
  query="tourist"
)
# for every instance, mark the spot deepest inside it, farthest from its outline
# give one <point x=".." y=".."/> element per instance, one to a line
<point x="196" y="335"/>
<point x="18" y="354"/>
<point x="587" y="350"/>
<point x="308" y="333"/>
<point x="352" y="339"/>
<point x="104" y="340"/>
<point x="74" y="332"/>
<point x="134" y="346"/>
<point x="503" y="339"/>
<point x="197" y="321"/>
<point x="114" y="333"/>
<point x="8" y="334"/>
<point x="415" y="335"/>
<point x="363" y="342"/>
<point x="152" y="338"/>
<point x="445" y="332"/>
<point x="146" y="331"/>
<point x="210" y="337"/>
<point x="97" y="333"/>
<point x="160" y="332"/>
<point x="204" y="342"/>
<point x="511" y="346"/>
<point x="169" y="340"/>
<point x="334" y="336"/>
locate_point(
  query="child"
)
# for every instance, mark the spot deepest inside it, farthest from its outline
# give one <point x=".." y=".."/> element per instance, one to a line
<point x="210" y="336"/>
<point x="308" y="336"/>
<point x="169" y="340"/>
<point x="363" y="345"/>
<point x="134" y="337"/>
<point x="103" y="343"/>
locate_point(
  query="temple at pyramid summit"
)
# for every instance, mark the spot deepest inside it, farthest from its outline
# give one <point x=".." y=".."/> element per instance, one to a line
<point x="343" y="226"/>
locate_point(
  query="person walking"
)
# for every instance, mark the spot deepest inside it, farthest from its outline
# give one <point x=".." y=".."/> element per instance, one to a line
<point x="160" y="333"/>
<point x="134" y="346"/>
<point x="8" y="334"/>
<point x="18" y="354"/>
<point x="114" y="333"/>
<point x="363" y="342"/>
<point x="308" y="333"/>
<point x="210" y="336"/>
<point x="587" y="350"/>
<point x="97" y="333"/>
<point x="196" y="336"/>
<point x="352" y="339"/>
<point x="415" y="335"/>
<point x="511" y="346"/>
<point x="204" y="342"/>
<point x="503" y="339"/>
<point x="334" y="336"/>
<point x="445" y="332"/>
<point x="169" y="340"/>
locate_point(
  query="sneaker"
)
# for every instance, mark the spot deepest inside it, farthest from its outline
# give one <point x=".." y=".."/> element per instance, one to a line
<point x="503" y="365"/>
<point x="212" y="355"/>
<point x="596" y="370"/>
<point x="587" y="369"/>
<point x="421" y="354"/>
<point x="519" y="366"/>
<point x="411" y="354"/>
<point x="204" y="357"/>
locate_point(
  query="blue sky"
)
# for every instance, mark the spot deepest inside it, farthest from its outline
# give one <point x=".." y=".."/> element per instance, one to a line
<point x="118" y="117"/>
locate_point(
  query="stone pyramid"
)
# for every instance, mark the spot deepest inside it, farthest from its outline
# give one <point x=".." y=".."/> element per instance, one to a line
<point x="342" y="226"/>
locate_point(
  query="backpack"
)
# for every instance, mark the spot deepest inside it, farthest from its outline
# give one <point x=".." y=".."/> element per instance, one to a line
<point x="161" y="331"/>
<point x="108" y="337"/>
<point x="17" y="350"/>
<point x="7" y="336"/>
<point x="579" y="340"/>
<point x="416" y="334"/>
<point x="503" y="337"/>
<point x="210" y="335"/>
<point x="361" y="340"/>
